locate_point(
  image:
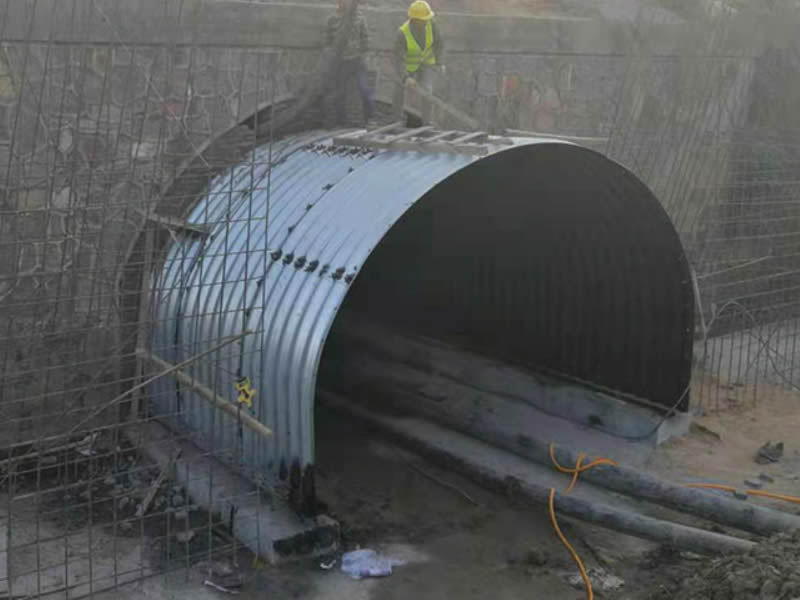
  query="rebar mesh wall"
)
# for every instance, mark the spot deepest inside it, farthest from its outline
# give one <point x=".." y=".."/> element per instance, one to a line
<point x="114" y="115"/>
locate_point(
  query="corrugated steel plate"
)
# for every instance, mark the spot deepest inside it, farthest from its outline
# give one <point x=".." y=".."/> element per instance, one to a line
<point x="286" y="246"/>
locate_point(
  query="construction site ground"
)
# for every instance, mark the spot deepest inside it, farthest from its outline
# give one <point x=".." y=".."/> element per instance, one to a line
<point x="460" y="540"/>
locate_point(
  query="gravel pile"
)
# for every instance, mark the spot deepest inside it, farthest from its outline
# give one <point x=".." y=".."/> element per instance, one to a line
<point x="771" y="571"/>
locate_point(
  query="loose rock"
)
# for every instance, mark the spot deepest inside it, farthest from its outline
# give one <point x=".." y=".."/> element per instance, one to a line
<point x="768" y="572"/>
<point x="602" y="580"/>
<point x="769" y="453"/>
<point x="125" y="527"/>
<point x="184" y="536"/>
<point x="536" y="558"/>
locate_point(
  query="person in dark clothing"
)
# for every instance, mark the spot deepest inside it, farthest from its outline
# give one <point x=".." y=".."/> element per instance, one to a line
<point x="351" y="68"/>
<point x="418" y="50"/>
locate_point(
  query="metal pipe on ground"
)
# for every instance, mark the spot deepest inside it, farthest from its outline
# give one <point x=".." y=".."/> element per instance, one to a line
<point x="431" y="441"/>
<point x="504" y="421"/>
<point x="722" y="510"/>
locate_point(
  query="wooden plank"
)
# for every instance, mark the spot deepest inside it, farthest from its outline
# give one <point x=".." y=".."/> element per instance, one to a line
<point x="179" y="224"/>
<point x="209" y="394"/>
<point x="473" y="137"/>
<point x="406" y="134"/>
<point x="463" y="117"/>
<point x="413" y="146"/>
<point x="441" y="136"/>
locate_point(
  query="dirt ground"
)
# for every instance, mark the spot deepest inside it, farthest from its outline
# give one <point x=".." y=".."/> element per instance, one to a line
<point x="459" y="540"/>
<point x="392" y="501"/>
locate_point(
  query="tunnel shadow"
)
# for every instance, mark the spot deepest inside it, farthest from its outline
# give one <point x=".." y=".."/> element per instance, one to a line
<point x="550" y="258"/>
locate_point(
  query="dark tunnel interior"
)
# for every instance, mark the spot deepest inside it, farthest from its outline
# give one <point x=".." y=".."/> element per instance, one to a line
<point x="549" y="257"/>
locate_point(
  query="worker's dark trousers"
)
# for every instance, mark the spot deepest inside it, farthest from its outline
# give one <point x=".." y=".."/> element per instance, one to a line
<point x="349" y="72"/>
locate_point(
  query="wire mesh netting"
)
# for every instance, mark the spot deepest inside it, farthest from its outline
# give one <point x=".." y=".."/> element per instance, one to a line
<point x="133" y="138"/>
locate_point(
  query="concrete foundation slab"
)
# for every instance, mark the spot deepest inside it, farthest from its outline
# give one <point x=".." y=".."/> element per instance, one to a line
<point x="268" y="527"/>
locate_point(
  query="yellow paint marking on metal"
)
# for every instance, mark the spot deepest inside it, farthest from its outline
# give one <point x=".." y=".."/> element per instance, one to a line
<point x="246" y="392"/>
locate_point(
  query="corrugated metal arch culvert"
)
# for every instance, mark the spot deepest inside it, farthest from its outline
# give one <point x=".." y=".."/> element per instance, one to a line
<point x="541" y="253"/>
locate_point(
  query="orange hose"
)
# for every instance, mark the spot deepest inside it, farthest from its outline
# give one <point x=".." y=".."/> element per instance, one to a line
<point x="580" y="468"/>
<point x="783" y="497"/>
<point x="712" y="486"/>
<point x="575" y="472"/>
<point x="575" y="557"/>
<point x="733" y="490"/>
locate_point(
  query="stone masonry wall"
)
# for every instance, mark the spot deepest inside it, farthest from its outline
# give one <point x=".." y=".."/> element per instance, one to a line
<point x="101" y="109"/>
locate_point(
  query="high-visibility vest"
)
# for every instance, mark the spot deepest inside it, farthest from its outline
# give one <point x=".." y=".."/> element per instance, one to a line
<point x="416" y="56"/>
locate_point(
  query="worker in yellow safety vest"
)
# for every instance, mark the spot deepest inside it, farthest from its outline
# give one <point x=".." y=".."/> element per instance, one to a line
<point x="419" y="49"/>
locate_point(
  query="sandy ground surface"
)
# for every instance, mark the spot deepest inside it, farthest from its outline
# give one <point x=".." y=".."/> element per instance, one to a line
<point x="727" y="434"/>
<point x="461" y="541"/>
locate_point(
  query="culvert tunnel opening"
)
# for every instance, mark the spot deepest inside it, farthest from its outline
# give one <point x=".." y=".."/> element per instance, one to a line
<point x="533" y="264"/>
<point x="543" y="275"/>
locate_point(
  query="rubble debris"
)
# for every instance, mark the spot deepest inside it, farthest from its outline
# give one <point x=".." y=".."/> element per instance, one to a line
<point x="691" y="556"/>
<point x="222" y="576"/>
<point x="766" y="478"/>
<point x="156" y="486"/>
<point x="753" y="485"/>
<point x="768" y="572"/>
<point x="125" y="527"/>
<point x="769" y="453"/>
<point x="602" y="580"/>
<point x="220" y="588"/>
<point x="696" y="427"/>
<point x="326" y="563"/>
<point x="360" y="564"/>
<point x="85" y="446"/>
<point x="536" y="557"/>
<point x="221" y="569"/>
<point x="184" y="536"/>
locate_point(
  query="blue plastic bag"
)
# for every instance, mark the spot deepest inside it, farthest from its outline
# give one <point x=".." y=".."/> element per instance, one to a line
<point x="360" y="564"/>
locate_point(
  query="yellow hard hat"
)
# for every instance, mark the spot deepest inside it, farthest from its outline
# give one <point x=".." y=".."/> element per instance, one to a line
<point x="421" y="10"/>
